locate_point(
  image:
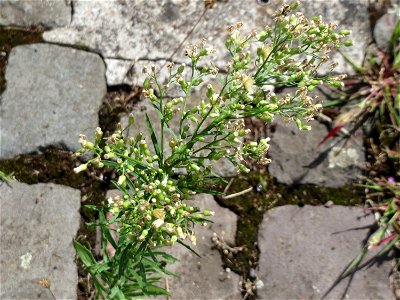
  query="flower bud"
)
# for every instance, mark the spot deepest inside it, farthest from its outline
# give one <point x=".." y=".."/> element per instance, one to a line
<point x="131" y="119"/>
<point x="157" y="223"/>
<point x="347" y="43"/>
<point x="208" y="213"/>
<point x="121" y="179"/>
<point x="81" y="168"/>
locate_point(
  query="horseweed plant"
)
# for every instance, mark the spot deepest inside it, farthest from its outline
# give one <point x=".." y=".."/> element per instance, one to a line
<point x="151" y="212"/>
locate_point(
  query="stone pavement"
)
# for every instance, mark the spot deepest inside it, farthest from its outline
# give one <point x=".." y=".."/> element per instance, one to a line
<point x="54" y="91"/>
<point x="299" y="158"/>
<point x="38" y="223"/>
<point x="305" y="249"/>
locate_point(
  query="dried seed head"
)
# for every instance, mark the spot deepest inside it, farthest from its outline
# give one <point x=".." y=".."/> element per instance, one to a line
<point x="45" y="283"/>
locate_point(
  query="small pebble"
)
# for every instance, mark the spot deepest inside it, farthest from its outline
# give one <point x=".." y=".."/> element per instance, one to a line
<point x="259" y="284"/>
<point x="252" y="273"/>
<point x="329" y="203"/>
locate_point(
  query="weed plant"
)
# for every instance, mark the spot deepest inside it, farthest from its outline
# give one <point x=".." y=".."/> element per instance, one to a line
<point x="371" y="99"/>
<point x="152" y="212"/>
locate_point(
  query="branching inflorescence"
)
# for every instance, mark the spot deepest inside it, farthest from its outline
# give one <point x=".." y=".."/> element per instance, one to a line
<point x="151" y="212"/>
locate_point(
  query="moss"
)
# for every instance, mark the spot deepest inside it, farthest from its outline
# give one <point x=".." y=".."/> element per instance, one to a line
<point x="11" y="37"/>
<point x="266" y="194"/>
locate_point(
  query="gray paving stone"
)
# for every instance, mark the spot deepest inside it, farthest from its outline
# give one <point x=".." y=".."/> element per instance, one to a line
<point x="384" y="28"/>
<point x="48" y="13"/>
<point x="151" y="30"/>
<point x="203" y="277"/>
<point x="38" y="223"/>
<point x="52" y="95"/>
<point x="304" y="250"/>
<point x="297" y="158"/>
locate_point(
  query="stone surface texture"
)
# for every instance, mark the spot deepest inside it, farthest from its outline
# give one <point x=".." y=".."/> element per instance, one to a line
<point x="304" y="250"/>
<point x="297" y="157"/>
<point x="152" y="30"/>
<point x="52" y="95"/>
<point x="384" y="28"/>
<point x="48" y="13"/>
<point x="203" y="277"/>
<point x="38" y="223"/>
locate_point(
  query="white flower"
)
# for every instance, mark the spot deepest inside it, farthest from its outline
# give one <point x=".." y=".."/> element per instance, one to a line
<point x="81" y="168"/>
<point x="248" y="83"/>
<point x="157" y="223"/>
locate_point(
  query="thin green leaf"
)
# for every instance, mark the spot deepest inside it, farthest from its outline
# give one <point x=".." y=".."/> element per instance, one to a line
<point x="98" y="268"/>
<point x="110" y="164"/>
<point x="95" y="207"/>
<point x="188" y="247"/>
<point x="130" y="184"/>
<point x="124" y="260"/>
<point x="154" y="138"/>
<point x="118" y="186"/>
<point x="166" y="256"/>
<point x="139" y="279"/>
<point x="154" y="290"/>
<point x="142" y="274"/>
<point x="353" y="265"/>
<point x="116" y="293"/>
<point x="84" y="254"/>
<point x="98" y="286"/>
<point x="156" y="266"/>
<point x="106" y="231"/>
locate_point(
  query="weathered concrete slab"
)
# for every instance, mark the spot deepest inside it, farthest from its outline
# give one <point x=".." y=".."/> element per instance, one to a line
<point x="297" y="157"/>
<point x="38" y="223"/>
<point x="203" y="277"/>
<point x="53" y="93"/>
<point x="48" y="13"/>
<point x="152" y="30"/>
<point x="304" y="250"/>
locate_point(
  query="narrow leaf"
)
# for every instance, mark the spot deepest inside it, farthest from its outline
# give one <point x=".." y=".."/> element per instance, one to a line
<point x="84" y="254"/>
<point x="188" y="247"/>
<point x="154" y="138"/>
<point x="106" y="231"/>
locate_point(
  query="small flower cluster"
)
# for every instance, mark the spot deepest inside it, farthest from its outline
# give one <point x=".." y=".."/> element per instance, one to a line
<point x="152" y="203"/>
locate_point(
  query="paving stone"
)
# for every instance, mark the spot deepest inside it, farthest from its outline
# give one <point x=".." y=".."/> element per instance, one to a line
<point x="121" y="71"/>
<point x="151" y="30"/>
<point x="48" y="13"/>
<point x="52" y="95"/>
<point x="384" y="28"/>
<point x="38" y="224"/>
<point x="304" y="250"/>
<point x="203" y="277"/>
<point x="297" y="157"/>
